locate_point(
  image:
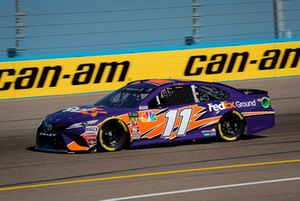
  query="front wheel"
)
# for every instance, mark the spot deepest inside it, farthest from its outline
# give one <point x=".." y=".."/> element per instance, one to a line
<point x="231" y="126"/>
<point x="113" y="136"/>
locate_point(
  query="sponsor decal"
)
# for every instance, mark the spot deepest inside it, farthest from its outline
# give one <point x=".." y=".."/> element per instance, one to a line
<point x="148" y="117"/>
<point x="209" y="133"/>
<point x="265" y="102"/>
<point x="91" y="142"/>
<point x="91" y="129"/>
<point x="229" y="105"/>
<point x="133" y="116"/>
<point x="47" y="134"/>
<point x="241" y="104"/>
<point x="222" y="106"/>
<point x="91" y="111"/>
<point x="91" y="135"/>
<point x="134" y="130"/>
<point x="144" y="107"/>
<point x="134" y="125"/>
<point x="72" y="109"/>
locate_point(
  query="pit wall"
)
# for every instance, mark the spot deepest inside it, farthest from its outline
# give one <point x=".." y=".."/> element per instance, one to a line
<point x="31" y="77"/>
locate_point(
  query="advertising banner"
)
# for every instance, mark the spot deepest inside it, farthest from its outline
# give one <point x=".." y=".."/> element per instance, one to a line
<point x="41" y="77"/>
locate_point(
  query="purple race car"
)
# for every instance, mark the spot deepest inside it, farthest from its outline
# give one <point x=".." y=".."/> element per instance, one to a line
<point x="158" y="111"/>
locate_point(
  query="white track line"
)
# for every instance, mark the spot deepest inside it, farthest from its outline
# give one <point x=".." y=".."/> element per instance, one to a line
<point x="203" y="189"/>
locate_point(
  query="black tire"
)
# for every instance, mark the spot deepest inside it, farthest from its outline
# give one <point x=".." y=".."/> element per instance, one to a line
<point x="231" y="126"/>
<point x="113" y="136"/>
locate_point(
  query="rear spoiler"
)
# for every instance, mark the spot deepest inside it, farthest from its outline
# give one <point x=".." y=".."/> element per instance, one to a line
<point x="253" y="91"/>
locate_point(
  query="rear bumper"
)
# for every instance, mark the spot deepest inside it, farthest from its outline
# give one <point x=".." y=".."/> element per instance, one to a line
<point x="259" y="121"/>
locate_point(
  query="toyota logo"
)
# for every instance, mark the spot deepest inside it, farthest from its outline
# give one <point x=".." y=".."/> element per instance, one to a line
<point x="49" y="127"/>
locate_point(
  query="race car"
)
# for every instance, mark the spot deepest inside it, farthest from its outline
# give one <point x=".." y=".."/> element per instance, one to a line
<point x="157" y="111"/>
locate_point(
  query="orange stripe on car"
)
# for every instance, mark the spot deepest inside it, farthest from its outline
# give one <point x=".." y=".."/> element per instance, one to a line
<point x="73" y="146"/>
<point x="160" y="82"/>
<point x="247" y="114"/>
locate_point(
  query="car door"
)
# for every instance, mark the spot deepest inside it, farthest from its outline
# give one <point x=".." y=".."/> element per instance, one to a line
<point x="169" y="113"/>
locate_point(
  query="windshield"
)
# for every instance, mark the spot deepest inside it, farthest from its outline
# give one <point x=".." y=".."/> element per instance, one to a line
<point x="129" y="97"/>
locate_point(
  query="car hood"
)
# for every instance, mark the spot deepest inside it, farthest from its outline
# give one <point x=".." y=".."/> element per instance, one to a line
<point x="82" y="113"/>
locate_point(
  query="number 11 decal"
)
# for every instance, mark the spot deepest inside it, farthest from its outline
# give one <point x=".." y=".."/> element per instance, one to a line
<point x="171" y="116"/>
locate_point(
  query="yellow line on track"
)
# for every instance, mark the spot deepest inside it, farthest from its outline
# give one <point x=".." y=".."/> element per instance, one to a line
<point x="148" y="174"/>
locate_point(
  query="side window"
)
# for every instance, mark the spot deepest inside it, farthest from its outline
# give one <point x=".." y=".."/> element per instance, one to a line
<point x="172" y="96"/>
<point x="209" y="93"/>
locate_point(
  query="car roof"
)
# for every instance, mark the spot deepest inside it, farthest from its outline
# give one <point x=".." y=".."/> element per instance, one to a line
<point x="155" y="83"/>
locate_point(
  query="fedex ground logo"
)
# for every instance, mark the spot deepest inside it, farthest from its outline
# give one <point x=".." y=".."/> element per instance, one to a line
<point x="222" y="106"/>
<point x="229" y="105"/>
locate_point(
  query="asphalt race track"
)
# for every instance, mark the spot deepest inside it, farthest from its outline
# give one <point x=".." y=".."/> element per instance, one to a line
<point x="264" y="167"/>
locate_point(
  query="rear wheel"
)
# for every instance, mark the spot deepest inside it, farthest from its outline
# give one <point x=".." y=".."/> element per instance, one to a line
<point x="113" y="136"/>
<point x="231" y="126"/>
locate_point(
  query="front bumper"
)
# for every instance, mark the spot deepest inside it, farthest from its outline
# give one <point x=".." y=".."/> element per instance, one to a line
<point x="60" y="140"/>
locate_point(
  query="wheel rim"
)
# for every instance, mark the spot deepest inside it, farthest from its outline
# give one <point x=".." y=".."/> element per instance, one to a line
<point x="231" y="126"/>
<point x="112" y="137"/>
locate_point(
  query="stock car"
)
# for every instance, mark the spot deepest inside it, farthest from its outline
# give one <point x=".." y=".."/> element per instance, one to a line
<point x="157" y="111"/>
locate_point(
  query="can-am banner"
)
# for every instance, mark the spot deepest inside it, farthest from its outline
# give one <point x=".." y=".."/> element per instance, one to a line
<point x="42" y="77"/>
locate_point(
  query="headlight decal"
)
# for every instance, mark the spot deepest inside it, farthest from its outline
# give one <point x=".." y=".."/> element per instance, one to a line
<point x="81" y="124"/>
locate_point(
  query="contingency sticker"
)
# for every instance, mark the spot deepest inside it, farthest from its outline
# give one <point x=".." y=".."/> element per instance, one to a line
<point x="91" y="135"/>
<point x="134" y="125"/>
